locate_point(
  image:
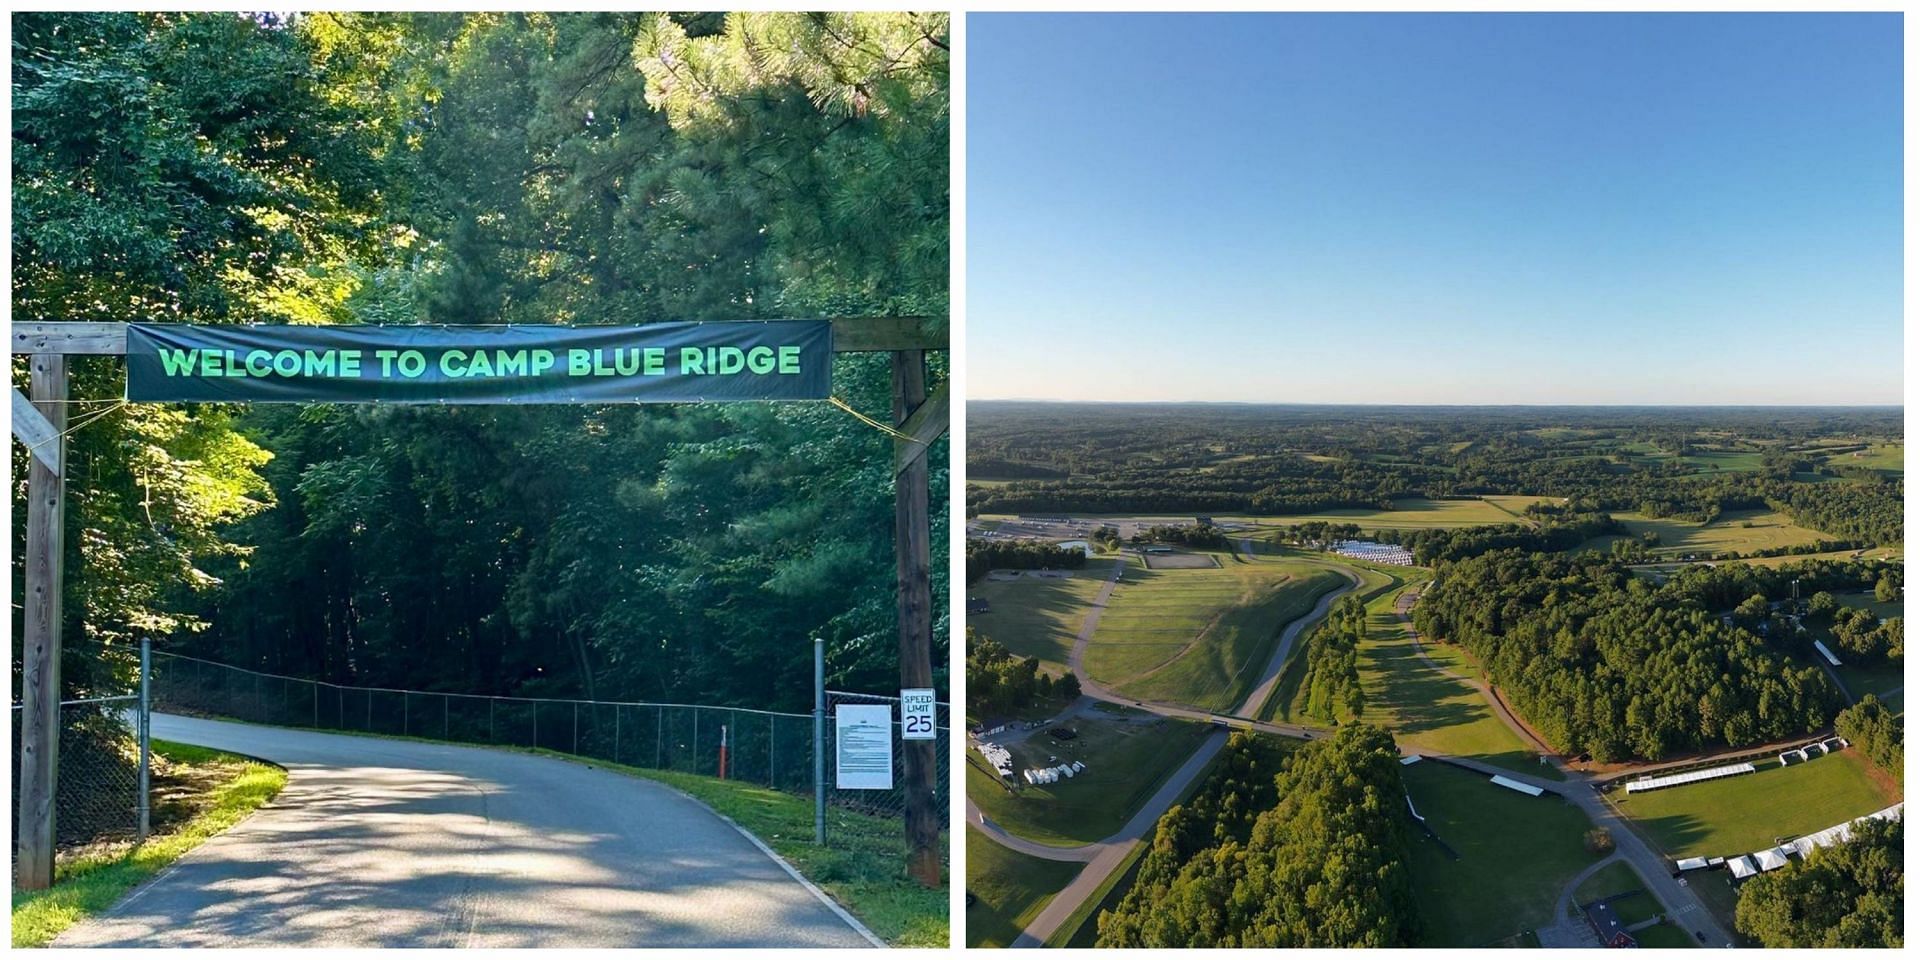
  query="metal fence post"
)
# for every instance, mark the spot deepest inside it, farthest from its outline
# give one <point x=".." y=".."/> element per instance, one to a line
<point x="406" y="713"/>
<point x="146" y="733"/>
<point x="772" y="781"/>
<point x="659" y="734"/>
<point x="819" y="740"/>
<point x="576" y="728"/>
<point x="490" y="701"/>
<point x="696" y="739"/>
<point x="316" y="705"/>
<point x="616" y="733"/>
<point x="536" y="724"/>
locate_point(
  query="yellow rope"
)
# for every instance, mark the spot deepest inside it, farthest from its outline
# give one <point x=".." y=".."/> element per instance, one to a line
<point x="869" y="421"/>
<point x="83" y="420"/>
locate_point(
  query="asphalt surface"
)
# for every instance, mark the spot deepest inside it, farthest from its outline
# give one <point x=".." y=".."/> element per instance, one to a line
<point x="388" y="843"/>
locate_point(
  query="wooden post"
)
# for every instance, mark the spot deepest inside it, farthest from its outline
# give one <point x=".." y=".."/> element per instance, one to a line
<point x="914" y="608"/>
<point x="40" y="644"/>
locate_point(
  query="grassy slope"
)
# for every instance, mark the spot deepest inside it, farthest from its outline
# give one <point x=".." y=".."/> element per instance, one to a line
<point x="1126" y="762"/>
<point x="90" y="883"/>
<point x="1007" y="889"/>
<point x="1752" y="812"/>
<point x="1516" y="854"/>
<point x="1200" y="636"/>
<point x="1730" y="532"/>
<point x="1039" y="618"/>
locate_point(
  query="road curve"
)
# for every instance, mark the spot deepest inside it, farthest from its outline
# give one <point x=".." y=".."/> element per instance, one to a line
<point x="391" y="843"/>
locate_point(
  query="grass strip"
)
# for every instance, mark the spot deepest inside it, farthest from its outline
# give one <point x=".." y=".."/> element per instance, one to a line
<point x="90" y="883"/>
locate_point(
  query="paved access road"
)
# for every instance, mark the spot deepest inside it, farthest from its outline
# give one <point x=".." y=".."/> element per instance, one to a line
<point x="390" y="843"/>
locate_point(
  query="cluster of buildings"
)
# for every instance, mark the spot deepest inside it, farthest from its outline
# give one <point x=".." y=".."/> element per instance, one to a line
<point x="1391" y="554"/>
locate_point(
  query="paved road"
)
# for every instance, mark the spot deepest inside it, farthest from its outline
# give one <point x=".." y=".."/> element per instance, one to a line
<point x="388" y="843"/>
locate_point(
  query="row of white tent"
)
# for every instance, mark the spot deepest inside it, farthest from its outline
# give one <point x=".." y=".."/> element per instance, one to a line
<point x="1388" y="553"/>
<point x="1038" y="775"/>
<point x="1746" y="865"/>
<point x="1691" y="776"/>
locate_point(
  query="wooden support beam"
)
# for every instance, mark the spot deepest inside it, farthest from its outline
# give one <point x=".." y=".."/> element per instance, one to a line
<point x="912" y="533"/>
<point x="40" y="642"/>
<point x="33" y="431"/>
<point x="928" y="423"/>
<point x="850" y="335"/>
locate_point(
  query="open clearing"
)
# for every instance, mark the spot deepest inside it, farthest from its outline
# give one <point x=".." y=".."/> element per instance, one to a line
<point x="1180" y="561"/>
<point x="1721" y="818"/>
<point x="1888" y="458"/>
<point x="1516" y="854"/>
<point x="1739" y="531"/>
<point x="1036" y="617"/>
<point x="1200" y="637"/>
<point x="1127" y="756"/>
<point x="1007" y="889"/>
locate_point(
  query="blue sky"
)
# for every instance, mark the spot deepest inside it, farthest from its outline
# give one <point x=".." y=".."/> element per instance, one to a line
<point x="1435" y="209"/>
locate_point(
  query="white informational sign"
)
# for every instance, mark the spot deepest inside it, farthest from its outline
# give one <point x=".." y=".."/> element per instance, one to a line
<point x="917" y="717"/>
<point x="863" y="746"/>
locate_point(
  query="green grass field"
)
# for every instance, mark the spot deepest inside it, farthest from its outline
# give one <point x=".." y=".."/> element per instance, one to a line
<point x="1516" y="854"/>
<point x="1201" y="637"/>
<point x="1036" y="617"/>
<point x="1617" y="879"/>
<point x="1889" y="458"/>
<point x="1721" y="818"/>
<point x="1863" y="600"/>
<point x="1007" y="889"/>
<point x="1741" y="531"/>
<point x="1127" y="757"/>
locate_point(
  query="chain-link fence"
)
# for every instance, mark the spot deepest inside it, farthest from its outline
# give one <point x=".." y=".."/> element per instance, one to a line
<point x="890" y="802"/>
<point x="763" y="747"/>
<point x="97" y="790"/>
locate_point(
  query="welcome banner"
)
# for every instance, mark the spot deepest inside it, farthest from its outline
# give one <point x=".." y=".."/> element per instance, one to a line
<point x="657" y="363"/>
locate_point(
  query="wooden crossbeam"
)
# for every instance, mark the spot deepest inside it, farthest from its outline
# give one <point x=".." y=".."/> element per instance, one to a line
<point x="31" y="428"/>
<point x="850" y="335"/>
<point x="927" y="424"/>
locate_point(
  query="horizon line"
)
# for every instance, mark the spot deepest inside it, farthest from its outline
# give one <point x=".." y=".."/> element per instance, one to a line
<point x="1439" y="403"/>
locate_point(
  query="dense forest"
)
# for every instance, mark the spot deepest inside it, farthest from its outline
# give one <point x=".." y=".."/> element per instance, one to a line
<point x="985" y="556"/>
<point x="1689" y="463"/>
<point x="1284" y="846"/>
<point x="1851" y="894"/>
<point x="1606" y="663"/>
<point x="604" y="168"/>
<point x="999" y="683"/>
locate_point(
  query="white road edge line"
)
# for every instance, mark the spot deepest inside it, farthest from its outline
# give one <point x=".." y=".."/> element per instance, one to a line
<point x="832" y="904"/>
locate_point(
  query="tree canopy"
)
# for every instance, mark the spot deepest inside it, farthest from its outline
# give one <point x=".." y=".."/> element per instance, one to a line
<point x="604" y="168"/>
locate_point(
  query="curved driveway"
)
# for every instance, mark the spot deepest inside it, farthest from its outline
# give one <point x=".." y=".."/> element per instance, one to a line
<point x="391" y="843"/>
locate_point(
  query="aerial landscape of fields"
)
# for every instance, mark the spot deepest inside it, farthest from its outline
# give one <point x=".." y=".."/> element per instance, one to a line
<point x="1435" y="481"/>
<point x="1135" y="639"/>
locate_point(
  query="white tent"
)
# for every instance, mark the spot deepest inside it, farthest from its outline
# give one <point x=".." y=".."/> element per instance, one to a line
<point x="1771" y="859"/>
<point x="1742" y="867"/>
<point x="1528" y="789"/>
<point x="1692" y="863"/>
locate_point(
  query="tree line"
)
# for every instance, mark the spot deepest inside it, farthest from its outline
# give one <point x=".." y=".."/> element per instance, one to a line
<point x="985" y="556"/>
<point x="999" y="683"/>
<point x="1331" y="683"/>
<point x="1851" y="894"/>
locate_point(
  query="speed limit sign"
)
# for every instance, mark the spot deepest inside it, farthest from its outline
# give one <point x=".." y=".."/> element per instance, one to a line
<point x="917" y="714"/>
